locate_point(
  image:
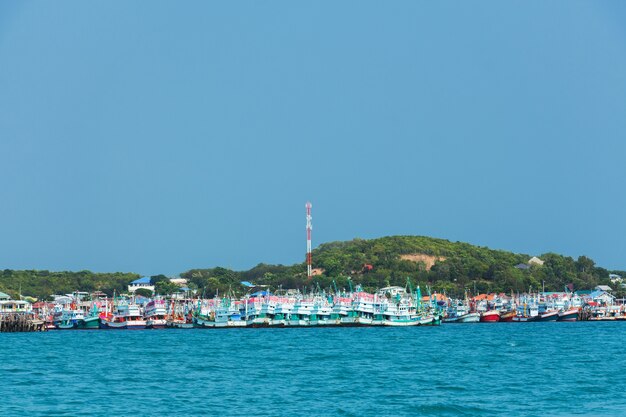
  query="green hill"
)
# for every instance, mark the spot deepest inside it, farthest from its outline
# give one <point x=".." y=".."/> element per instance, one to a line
<point x="42" y="284"/>
<point x="444" y="265"/>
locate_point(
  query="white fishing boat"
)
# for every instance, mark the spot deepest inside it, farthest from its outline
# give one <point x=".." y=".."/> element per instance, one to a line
<point x="399" y="315"/>
<point x="282" y="312"/>
<point x="260" y="310"/>
<point x="127" y="316"/>
<point x="301" y="313"/>
<point x="155" y="314"/>
<point x="469" y="318"/>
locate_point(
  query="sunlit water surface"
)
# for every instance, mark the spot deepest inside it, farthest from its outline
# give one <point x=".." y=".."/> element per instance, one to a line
<point x="512" y="369"/>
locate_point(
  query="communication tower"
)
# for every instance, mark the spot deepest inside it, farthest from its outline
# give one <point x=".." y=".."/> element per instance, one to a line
<point x="309" y="227"/>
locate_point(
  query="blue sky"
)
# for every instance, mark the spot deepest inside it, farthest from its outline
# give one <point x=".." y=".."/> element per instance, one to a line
<point x="155" y="138"/>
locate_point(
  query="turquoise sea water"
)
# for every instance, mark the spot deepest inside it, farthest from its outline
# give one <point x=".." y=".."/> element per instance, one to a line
<point x="513" y="369"/>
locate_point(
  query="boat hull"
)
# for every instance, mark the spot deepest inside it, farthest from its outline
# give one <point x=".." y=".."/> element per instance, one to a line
<point x="66" y="326"/>
<point x="551" y="316"/>
<point x="490" y="317"/>
<point x="508" y="317"/>
<point x="570" y="315"/>
<point x="430" y="321"/>
<point x="178" y="325"/>
<point x="155" y="323"/>
<point x="403" y="322"/>
<point x="523" y="319"/>
<point x="111" y="325"/>
<point x="89" y="323"/>
<point x="469" y="318"/>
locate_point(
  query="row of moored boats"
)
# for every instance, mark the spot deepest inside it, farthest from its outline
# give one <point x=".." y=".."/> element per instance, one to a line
<point x="390" y="306"/>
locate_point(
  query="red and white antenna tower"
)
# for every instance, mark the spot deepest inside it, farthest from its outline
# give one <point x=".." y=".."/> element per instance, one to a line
<point x="309" y="227"/>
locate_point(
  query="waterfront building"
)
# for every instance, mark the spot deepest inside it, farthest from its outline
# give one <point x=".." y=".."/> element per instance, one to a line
<point x="143" y="282"/>
<point x="602" y="297"/>
<point x="14" y="306"/>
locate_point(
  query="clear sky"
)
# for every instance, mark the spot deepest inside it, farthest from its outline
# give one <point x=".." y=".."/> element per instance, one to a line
<point x="156" y="137"/>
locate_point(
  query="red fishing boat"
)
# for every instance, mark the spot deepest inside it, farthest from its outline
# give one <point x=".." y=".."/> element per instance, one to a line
<point x="490" y="316"/>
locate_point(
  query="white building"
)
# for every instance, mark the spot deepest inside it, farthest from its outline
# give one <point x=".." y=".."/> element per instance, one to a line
<point x="144" y="282"/>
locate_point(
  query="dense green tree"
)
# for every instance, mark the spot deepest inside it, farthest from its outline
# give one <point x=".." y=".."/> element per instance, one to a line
<point x="166" y="288"/>
<point x="144" y="292"/>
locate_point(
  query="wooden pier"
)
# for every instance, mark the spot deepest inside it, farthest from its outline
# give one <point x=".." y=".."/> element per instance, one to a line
<point x="20" y="322"/>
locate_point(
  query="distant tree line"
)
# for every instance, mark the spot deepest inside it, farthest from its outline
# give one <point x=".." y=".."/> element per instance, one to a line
<point x="42" y="284"/>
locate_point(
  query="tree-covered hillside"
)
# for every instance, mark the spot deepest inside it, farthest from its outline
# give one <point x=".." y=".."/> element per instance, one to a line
<point x="41" y="284"/>
<point x="377" y="263"/>
<point x="464" y="266"/>
<point x="445" y="266"/>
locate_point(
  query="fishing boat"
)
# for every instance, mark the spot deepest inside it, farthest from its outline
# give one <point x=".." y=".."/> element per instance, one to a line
<point x="550" y="315"/>
<point x="127" y="316"/>
<point x="399" y="314"/>
<point x="90" y="322"/>
<point x="508" y="316"/>
<point x="402" y="320"/>
<point x="364" y="307"/>
<point x="113" y="322"/>
<point x="527" y="313"/>
<point x="179" y="316"/>
<point x="259" y="310"/>
<point x="461" y="314"/>
<point x="469" y="318"/>
<point x="451" y="318"/>
<point x="301" y="313"/>
<point x="490" y="316"/>
<point x="429" y="319"/>
<point x="178" y="324"/>
<point x="342" y="307"/>
<point x="524" y="319"/>
<point x="229" y="315"/>
<point x="204" y="321"/>
<point x="220" y="314"/>
<point x="68" y="319"/>
<point x="281" y="315"/>
<point x="569" y="315"/>
<point x="321" y="313"/>
<point x="155" y="314"/>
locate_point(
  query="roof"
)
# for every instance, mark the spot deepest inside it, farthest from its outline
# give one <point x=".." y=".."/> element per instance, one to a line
<point x="599" y="293"/>
<point x="14" y="302"/>
<point x="4" y="296"/>
<point x="435" y="296"/>
<point x="603" y="288"/>
<point x="247" y="284"/>
<point x="142" y="280"/>
<point x="41" y="304"/>
<point x="535" y="260"/>
<point x="480" y="297"/>
<point x="522" y="266"/>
